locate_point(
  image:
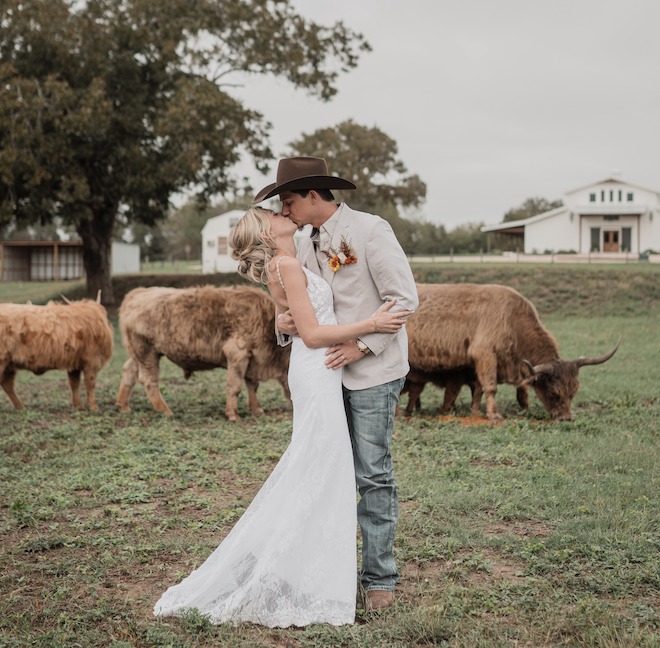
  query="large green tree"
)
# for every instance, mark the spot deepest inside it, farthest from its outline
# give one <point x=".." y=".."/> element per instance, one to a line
<point x="108" y="107"/>
<point x="369" y="158"/>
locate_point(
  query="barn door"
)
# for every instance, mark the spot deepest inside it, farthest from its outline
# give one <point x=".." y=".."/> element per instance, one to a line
<point x="610" y="240"/>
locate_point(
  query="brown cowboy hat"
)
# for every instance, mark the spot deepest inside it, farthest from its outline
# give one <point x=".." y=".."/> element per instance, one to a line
<point x="298" y="173"/>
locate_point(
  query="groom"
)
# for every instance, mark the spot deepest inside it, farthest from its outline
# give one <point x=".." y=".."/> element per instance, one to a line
<point x="358" y="254"/>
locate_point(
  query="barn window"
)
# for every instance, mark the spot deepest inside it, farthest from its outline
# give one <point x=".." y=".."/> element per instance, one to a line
<point x="611" y="218"/>
<point x="595" y="239"/>
<point x="611" y="196"/>
<point x="602" y="196"/>
<point x="630" y="197"/>
<point x="620" y="195"/>
<point x="222" y="245"/>
<point x="592" y="197"/>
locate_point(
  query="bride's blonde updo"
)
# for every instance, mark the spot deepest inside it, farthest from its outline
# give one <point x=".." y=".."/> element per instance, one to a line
<point x="252" y="246"/>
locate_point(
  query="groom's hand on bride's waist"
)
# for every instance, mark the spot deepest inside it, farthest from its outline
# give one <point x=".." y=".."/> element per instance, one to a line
<point x="340" y="355"/>
<point x="285" y="324"/>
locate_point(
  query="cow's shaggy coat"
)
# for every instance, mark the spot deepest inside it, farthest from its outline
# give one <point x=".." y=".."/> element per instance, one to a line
<point x="497" y="332"/>
<point x="197" y="329"/>
<point x="75" y="337"/>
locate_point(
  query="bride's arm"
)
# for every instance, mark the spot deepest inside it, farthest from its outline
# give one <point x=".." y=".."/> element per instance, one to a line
<point x="316" y="335"/>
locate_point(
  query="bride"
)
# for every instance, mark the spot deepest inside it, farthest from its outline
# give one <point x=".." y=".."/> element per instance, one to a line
<point x="291" y="558"/>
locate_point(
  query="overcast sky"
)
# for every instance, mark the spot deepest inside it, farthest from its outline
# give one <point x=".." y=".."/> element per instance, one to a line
<point x="491" y="101"/>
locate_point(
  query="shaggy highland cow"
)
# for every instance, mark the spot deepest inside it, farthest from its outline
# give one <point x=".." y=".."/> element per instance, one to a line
<point x="75" y="337"/>
<point x="198" y="329"/>
<point x="496" y="331"/>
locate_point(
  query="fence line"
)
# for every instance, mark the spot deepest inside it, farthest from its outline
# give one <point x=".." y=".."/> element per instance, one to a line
<point x="519" y="257"/>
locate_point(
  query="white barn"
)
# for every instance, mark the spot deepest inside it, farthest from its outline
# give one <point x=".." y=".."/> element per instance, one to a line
<point x="610" y="216"/>
<point x="216" y="255"/>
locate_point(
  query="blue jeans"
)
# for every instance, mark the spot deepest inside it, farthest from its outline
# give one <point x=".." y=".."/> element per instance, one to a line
<point x="370" y="414"/>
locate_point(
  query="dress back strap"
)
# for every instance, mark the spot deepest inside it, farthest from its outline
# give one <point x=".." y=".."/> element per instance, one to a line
<point x="279" y="274"/>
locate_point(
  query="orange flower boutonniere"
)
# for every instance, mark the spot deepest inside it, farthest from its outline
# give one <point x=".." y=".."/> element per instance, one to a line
<point x="343" y="256"/>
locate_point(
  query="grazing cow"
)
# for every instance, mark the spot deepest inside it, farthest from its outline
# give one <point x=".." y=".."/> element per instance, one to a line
<point x="496" y="331"/>
<point x="75" y="337"/>
<point x="197" y="329"/>
<point x="452" y="382"/>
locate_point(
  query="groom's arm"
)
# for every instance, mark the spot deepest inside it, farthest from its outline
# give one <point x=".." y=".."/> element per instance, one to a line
<point x="391" y="273"/>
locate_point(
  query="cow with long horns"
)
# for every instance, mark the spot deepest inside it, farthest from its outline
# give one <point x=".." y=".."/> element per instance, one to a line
<point x="496" y="331"/>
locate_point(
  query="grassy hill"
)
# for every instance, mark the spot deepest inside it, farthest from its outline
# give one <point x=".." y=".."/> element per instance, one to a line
<point x="563" y="290"/>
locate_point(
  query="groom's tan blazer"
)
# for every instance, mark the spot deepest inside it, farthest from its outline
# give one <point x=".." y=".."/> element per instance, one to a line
<point x="381" y="273"/>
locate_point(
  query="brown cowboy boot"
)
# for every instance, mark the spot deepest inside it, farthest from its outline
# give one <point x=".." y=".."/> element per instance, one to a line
<point x="378" y="600"/>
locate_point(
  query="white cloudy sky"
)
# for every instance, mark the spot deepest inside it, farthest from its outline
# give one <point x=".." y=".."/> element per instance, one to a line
<point x="492" y="101"/>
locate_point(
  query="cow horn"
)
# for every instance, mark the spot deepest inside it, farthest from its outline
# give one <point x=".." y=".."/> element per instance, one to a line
<point x="66" y="301"/>
<point x="581" y="362"/>
<point x="531" y="377"/>
<point x="98" y="296"/>
<point x="538" y="369"/>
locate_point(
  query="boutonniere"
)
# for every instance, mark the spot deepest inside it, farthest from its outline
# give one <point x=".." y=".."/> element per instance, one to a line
<point x="337" y="259"/>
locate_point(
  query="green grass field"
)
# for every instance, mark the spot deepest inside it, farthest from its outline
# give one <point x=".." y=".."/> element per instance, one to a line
<point x="525" y="533"/>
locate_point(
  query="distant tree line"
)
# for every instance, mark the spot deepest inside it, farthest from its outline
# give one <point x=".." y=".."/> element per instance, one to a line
<point x="179" y="237"/>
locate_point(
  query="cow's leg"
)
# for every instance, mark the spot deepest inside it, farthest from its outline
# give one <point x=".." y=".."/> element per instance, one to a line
<point x="285" y="388"/>
<point x="149" y="373"/>
<point x="129" y="376"/>
<point x="522" y="397"/>
<point x="237" y="364"/>
<point x="477" y="393"/>
<point x="253" y="399"/>
<point x="90" y="386"/>
<point x="74" y="384"/>
<point x="148" y="365"/>
<point x="415" y="390"/>
<point x="452" y="390"/>
<point x="485" y="366"/>
<point x="7" y="381"/>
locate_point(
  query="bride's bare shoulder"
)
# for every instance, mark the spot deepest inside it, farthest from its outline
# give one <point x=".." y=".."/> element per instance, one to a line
<point x="287" y="264"/>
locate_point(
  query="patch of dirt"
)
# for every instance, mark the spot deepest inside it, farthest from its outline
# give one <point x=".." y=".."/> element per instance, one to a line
<point x="523" y="529"/>
<point x="498" y="569"/>
<point x="420" y="573"/>
<point x="429" y="574"/>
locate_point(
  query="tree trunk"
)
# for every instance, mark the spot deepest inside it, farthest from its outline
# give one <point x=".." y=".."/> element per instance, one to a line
<point x="97" y="256"/>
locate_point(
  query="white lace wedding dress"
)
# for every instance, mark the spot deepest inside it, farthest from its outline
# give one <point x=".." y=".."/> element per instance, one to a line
<point x="291" y="558"/>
